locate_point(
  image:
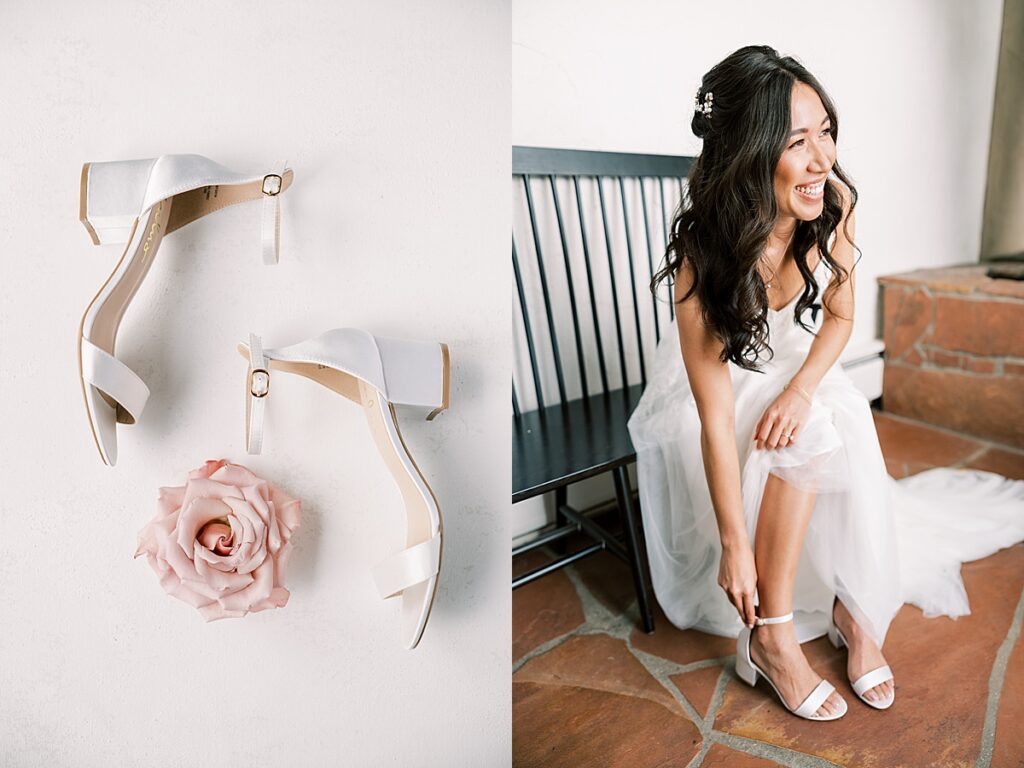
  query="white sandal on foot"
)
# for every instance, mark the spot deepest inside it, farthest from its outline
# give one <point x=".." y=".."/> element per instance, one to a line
<point x="137" y="202"/>
<point x="868" y="680"/>
<point x="748" y="672"/>
<point x="378" y="373"/>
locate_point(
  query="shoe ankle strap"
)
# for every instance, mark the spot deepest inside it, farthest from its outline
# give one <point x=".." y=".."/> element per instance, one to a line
<point x="270" y="227"/>
<point x="774" y="619"/>
<point x="257" y="389"/>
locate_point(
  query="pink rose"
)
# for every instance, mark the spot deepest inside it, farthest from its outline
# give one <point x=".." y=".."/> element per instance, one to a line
<point x="221" y="542"/>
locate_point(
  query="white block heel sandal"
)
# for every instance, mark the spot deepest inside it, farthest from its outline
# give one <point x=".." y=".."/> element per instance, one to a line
<point x="137" y="202"/>
<point x="378" y="373"/>
<point x="868" y="680"/>
<point x="748" y="672"/>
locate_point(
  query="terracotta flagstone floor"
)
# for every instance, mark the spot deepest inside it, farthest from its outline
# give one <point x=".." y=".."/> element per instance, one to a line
<point x="590" y="689"/>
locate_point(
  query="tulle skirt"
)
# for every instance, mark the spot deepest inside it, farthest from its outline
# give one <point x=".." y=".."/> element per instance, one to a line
<point x="875" y="542"/>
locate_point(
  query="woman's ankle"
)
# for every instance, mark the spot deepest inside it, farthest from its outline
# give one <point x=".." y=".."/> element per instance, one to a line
<point x="845" y="621"/>
<point x="775" y="636"/>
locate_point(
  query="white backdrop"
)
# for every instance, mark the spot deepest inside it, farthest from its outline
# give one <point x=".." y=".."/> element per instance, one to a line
<point x="913" y="82"/>
<point x="394" y="116"/>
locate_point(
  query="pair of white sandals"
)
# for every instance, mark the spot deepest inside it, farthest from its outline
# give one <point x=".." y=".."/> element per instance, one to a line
<point x="748" y="672"/>
<point x="137" y="202"/>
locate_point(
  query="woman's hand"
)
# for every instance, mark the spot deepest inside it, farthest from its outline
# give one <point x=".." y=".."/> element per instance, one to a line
<point x="737" y="575"/>
<point x="782" y="420"/>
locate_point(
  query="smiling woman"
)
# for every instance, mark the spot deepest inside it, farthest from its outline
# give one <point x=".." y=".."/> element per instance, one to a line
<point x="765" y="499"/>
<point x="758" y="182"/>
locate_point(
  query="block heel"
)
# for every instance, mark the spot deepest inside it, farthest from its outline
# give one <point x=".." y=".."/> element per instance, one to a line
<point x="417" y="373"/>
<point x="744" y="667"/>
<point x="111" y="198"/>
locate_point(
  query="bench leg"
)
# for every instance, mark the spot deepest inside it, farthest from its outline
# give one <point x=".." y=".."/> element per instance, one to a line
<point x="631" y="526"/>
<point x="561" y="499"/>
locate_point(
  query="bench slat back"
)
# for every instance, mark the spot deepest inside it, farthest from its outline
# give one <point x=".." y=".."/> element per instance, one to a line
<point x="588" y="231"/>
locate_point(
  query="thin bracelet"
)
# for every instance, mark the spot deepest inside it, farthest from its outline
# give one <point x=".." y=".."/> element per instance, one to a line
<point x="802" y="394"/>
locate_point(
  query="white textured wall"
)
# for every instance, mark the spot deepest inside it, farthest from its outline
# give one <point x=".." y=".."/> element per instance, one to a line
<point x="913" y="82"/>
<point x="394" y="116"/>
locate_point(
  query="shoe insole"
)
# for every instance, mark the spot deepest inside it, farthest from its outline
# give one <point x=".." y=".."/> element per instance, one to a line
<point x="196" y="203"/>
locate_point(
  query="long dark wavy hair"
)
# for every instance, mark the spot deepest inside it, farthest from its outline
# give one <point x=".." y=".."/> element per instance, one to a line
<point x="724" y="218"/>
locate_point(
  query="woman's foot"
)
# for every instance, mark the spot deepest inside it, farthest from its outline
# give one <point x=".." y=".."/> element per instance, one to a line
<point x="864" y="655"/>
<point x="774" y="648"/>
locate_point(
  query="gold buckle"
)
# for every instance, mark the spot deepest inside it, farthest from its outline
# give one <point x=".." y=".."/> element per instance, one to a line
<point x="259" y="387"/>
<point x="272" y="184"/>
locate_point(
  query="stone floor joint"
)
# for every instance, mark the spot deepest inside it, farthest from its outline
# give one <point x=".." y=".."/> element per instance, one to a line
<point x="594" y="612"/>
<point x="995" y="686"/>
<point x="781" y="755"/>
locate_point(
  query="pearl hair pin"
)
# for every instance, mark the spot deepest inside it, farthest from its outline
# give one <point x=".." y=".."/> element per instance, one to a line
<point x="704" y="108"/>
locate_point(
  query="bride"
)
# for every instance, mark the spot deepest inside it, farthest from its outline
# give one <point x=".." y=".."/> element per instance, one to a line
<point x="768" y="512"/>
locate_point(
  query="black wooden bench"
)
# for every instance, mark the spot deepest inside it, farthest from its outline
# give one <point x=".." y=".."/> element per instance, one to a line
<point x="589" y="228"/>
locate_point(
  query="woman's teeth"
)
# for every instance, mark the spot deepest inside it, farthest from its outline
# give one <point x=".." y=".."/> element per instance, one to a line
<point x="813" y="191"/>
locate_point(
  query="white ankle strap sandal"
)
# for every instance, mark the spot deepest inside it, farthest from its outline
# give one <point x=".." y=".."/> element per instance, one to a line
<point x="378" y="373"/>
<point x="137" y="202"/>
<point x="748" y="672"/>
<point x="869" y="679"/>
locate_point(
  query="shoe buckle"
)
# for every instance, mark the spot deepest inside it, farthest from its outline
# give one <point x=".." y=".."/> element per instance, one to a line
<point x="272" y="184"/>
<point x="259" y="382"/>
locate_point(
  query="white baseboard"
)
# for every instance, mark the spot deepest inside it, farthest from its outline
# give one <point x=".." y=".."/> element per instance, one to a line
<point x="862" y="361"/>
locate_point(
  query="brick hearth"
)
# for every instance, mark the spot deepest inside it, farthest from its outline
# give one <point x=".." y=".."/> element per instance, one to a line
<point x="954" y="351"/>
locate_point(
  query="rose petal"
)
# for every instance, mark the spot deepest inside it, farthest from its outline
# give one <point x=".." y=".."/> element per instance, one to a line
<point x="216" y="536"/>
<point x="257" y="498"/>
<point x="236" y="530"/>
<point x="162" y="532"/>
<point x="201" y="556"/>
<point x="252" y="551"/>
<point x="224" y="582"/>
<point x="214" y="611"/>
<point x="267" y="512"/>
<point x="234" y="474"/>
<point x="281" y="562"/>
<point x="147" y="540"/>
<point x="289" y="510"/>
<point x="184" y="568"/>
<point x="252" y="524"/>
<point x="278" y="599"/>
<point x="260" y="589"/>
<point x="211" y="466"/>
<point x="175" y="587"/>
<point x="207" y="489"/>
<point x="196" y="514"/>
<point x="169" y="500"/>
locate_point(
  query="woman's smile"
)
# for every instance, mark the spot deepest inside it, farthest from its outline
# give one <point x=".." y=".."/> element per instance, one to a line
<point x="812" y="192"/>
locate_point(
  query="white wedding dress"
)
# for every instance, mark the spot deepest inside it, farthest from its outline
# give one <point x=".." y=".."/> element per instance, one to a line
<point x="873" y="541"/>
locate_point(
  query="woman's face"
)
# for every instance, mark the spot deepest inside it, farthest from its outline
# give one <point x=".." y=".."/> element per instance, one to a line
<point x="807" y="158"/>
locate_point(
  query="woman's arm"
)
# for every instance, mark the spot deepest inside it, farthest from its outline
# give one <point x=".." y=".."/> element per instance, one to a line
<point x="784" y="418"/>
<point x="712" y="389"/>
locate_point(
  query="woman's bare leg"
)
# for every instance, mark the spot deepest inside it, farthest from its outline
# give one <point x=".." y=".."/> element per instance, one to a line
<point x="864" y="654"/>
<point x="781" y="525"/>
